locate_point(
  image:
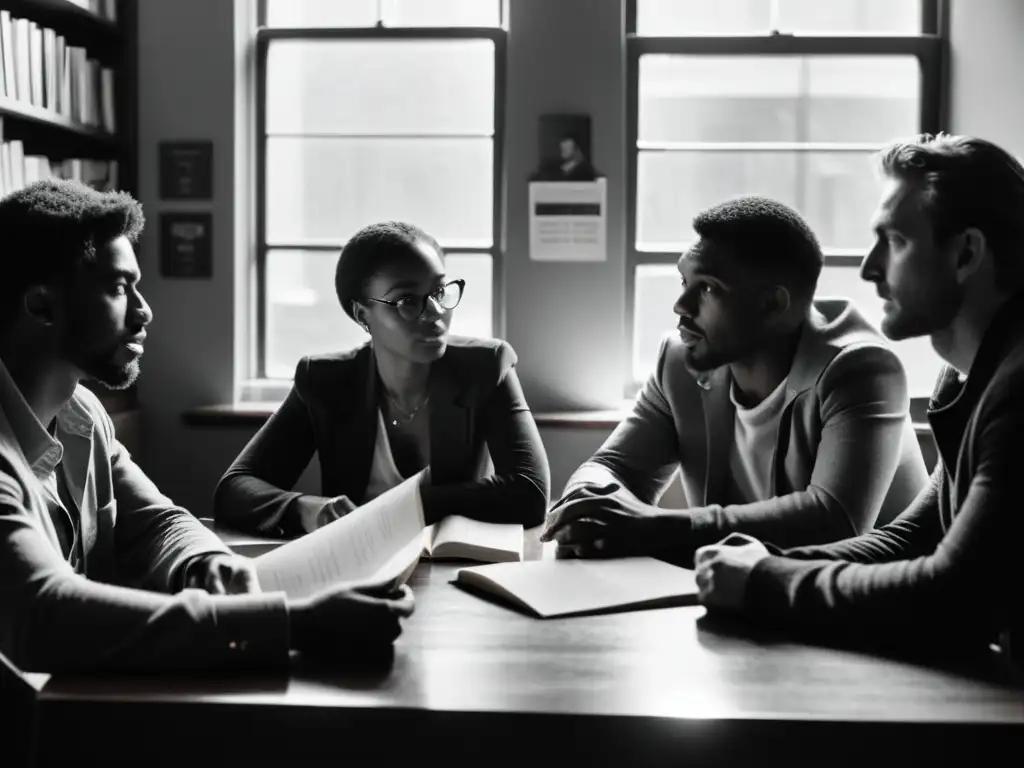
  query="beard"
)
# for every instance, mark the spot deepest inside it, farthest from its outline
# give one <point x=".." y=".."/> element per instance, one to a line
<point x="910" y="319"/>
<point x="704" y="356"/>
<point x="699" y="360"/>
<point x="109" y="374"/>
<point x="109" y="366"/>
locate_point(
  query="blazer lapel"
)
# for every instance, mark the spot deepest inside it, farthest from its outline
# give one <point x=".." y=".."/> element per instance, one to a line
<point x="813" y="353"/>
<point x="357" y="427"/>
<point x="718" y="419"/>
<point x="449" y="424"/>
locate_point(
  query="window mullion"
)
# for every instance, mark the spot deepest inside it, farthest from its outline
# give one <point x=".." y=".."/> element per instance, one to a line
<point x="773" y="16"/>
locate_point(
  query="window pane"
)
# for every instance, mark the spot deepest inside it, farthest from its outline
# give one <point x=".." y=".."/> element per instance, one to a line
<point x="304" y="317"/>
<point x="475" y="314"/>
<point x="836" y="192"/>
<point x="921" y="361"/>
<point x="862" y="98"/>
<point x="902" y="17"/>
<point x="672" y="187"/>
<point x="662" y="18"/>
<point x="394" y="87"/>
<point x="441" y="13"/>
<point x="323" y="190"/>
<point x="656" y="291"/>
<point x="657" y="288"/>
<point x="321" y="13"/>
<point x="718" y="98"/>
<point x="838" y="196"/>
<point x="749" y="99"/>
<point x="733" y="17"/>
<point x="395" y="13"/>
<point x="302" y="311"/>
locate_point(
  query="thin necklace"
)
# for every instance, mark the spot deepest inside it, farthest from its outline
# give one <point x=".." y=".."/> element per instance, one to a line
<point x="408" y="417"/>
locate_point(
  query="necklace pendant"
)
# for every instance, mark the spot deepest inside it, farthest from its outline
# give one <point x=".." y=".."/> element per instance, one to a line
<point x="394" y="422"/>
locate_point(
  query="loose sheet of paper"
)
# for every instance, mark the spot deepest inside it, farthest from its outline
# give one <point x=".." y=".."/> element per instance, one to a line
<point x="563" y="587"/>
<point x="367" y="544"/>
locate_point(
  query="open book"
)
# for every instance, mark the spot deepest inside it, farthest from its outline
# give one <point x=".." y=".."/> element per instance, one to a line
<point x="548" y="588"/>
<point x="462" y="538"/>
<point x="379" y="542"/>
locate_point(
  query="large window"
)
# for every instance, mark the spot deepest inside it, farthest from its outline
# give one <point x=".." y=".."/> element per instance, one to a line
<point x="790" y="99"/>
<point x="372" y="110"/>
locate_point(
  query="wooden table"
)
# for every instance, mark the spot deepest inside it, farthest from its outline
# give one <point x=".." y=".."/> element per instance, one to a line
<point x="470" y="680"/>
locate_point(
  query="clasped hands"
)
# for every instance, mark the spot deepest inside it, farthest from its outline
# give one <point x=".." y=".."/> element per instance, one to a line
<point x="607" y="521"/>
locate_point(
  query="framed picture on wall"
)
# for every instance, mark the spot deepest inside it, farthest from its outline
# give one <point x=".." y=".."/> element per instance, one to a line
<point x="564" y="149"/>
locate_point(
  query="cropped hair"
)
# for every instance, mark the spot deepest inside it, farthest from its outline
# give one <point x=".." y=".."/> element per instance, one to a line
<point x="367" y="250"/>
<point x="50" y="227"/>
<point x="767" y="237"/>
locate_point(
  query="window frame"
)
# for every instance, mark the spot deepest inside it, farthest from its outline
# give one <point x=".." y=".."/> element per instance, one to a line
<point x="265" y="36"/>
<point x="930" y="48"/>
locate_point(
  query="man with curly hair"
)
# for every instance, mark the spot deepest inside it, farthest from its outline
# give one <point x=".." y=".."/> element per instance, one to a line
<point x="98" y="569"/>
<point x="786" y="416"/>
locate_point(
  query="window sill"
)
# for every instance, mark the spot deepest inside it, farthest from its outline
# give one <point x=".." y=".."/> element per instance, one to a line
<point x="255" y="414"/>
<point x="230" y="414"/>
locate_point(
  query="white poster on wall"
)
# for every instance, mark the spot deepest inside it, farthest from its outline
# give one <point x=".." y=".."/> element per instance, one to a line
<point x="568" y="220"/>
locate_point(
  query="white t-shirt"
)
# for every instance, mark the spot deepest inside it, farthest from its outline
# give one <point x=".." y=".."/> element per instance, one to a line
<point x="753" y="446"/>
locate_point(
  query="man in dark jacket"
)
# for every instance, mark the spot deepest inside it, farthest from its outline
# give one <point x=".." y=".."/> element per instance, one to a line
<point x="949" y="262"/>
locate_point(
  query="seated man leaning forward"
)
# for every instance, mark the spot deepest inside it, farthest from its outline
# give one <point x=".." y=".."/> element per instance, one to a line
<point x="788" y="417"/>
<point x="96" y="564"/>
<point x="945" y="575"/>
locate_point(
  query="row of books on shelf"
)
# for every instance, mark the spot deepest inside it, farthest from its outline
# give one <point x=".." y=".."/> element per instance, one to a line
<point x="40" y="69"/>
<point x="18" y="170"/>
<point x="105" y="9"/>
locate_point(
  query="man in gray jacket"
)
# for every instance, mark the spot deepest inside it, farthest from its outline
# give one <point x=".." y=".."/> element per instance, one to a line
<point x="944" y="576"/>
<point x="98" y="569"/>
<point x="786" y="416"/>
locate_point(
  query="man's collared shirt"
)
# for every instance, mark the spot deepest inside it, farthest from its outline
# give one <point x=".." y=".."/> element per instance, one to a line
<point x="44" y="451"/>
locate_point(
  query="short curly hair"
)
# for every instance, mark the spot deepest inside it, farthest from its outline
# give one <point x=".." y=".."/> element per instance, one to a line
<point x="50" y="227"/>
<point x="966" y="182"/>
<point x="367" y="250"/>
<point x="767" y="237"/>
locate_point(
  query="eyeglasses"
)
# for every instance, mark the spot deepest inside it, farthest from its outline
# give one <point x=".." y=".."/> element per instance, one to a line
<point x="411" y="306"/>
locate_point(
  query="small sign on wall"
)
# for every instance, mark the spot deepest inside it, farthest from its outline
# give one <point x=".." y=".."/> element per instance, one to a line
<point x="568" y="220"/>
<point x="186" y="170"/>
<point x="186" y="245"/>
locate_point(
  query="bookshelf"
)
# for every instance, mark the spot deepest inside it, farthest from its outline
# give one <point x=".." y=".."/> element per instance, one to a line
<point x="67" y="105"/>
<point x="67" y="81"/>
<point x="96" y="16"/>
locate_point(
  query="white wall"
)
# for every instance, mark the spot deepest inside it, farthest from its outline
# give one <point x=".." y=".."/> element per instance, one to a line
<point x="186" y="91"/>
<point x="987" y="71"/>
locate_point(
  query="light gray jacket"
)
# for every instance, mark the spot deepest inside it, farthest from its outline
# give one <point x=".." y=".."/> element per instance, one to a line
<point x="120" y="610"/>
<point x="846" y="457"/>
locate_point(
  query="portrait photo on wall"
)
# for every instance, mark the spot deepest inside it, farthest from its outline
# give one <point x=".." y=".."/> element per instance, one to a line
<point x="565" y="149"/>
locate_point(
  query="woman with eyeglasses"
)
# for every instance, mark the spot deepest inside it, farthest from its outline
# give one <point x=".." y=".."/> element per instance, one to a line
<point x="411" y="398"/>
